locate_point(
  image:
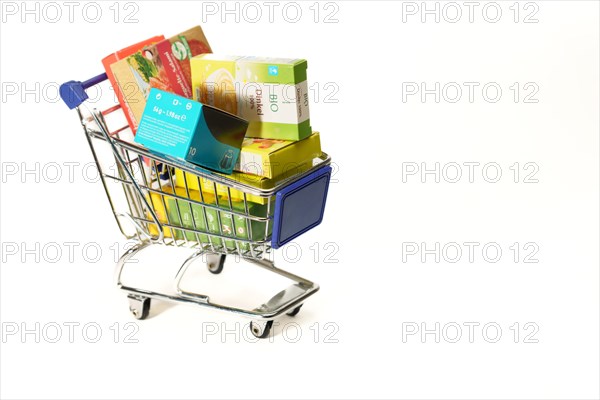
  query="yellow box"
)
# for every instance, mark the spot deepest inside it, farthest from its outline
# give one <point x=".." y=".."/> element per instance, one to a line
<point x="270" y="93"/>
<point x="208" y="185"/>
<point x="271" y="158"/>
<point x="236" y="195"/>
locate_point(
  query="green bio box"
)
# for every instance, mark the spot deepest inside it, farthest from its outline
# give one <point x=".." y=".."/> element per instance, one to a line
<point x="205" y="219"/>
<point x="271" y="93"/>
<point x="183" y="128"/>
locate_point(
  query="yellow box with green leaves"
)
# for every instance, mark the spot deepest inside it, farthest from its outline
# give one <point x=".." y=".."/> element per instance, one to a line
<point x="271" y="93"/>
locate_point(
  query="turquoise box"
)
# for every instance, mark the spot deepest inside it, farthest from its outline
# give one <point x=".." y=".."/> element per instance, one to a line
<point x="183" y="128"/>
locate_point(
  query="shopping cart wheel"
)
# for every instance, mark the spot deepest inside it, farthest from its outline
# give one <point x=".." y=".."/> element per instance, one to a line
<point x="261" y="330"/>
<point x="295" y="311"/>
<point x="139" y="306"/>
<point x="215" y="263"/>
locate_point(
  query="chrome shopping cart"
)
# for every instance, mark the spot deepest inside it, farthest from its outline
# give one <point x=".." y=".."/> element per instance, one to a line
<point x="168" y="201"/>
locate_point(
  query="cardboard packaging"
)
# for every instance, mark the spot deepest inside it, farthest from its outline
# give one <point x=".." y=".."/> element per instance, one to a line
<point x="186" y="129"/>
<point x="205" y="219"/>
<point x="119" y="55"/>
<point x="271" y="158"/>
<point x="166" y="211"/>
<point x="163" y="65"/>
<point x="208" y="186"/>
<point x="231" y="224"/>
<point x="271" y="93"/>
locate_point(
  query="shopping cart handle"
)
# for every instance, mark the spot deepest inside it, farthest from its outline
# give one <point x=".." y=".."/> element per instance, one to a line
<point x="73" y="92"/>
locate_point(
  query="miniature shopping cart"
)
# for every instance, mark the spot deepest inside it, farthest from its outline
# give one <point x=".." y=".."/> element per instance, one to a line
<point x="168" y="201"/>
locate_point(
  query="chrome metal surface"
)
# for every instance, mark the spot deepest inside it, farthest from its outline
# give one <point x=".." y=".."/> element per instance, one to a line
<point x="284" y="301"/>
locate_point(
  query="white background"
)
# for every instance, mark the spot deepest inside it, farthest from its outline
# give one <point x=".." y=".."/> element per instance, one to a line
<point x="376" y="291"/>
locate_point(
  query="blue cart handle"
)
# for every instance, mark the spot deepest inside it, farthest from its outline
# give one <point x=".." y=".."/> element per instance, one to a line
<point x="73" y="92"/>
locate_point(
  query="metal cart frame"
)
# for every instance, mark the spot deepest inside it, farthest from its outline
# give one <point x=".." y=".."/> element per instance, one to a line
<point x="157" y="208"/>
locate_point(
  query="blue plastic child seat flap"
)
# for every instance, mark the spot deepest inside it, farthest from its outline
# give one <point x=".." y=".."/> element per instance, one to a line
<point x="299" y="206"/>
<point x="73" y="92"/>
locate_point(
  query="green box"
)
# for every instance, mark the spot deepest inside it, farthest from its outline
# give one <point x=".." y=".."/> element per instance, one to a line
<point x="194" y="213"/>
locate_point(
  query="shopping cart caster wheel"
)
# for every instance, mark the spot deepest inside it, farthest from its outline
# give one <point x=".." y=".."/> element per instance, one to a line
<point x="139" y="306"/>
<point x="295" y="311"/>
<point x="261" y="330"/>
<point x="215" y="263"/>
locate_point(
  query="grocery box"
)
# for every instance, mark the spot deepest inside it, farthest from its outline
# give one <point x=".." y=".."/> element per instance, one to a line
<point x="180" y="212"/>
<point x="163" y="65"/>
<point x="158" y="203"/>
<point x="208" y="185"/>
<point x="273" y="157"/>
<point x="237" y="225"/>
<point x="167" y="212"/>
<point x="119" y="55"/>
<point x="233" y="225"/>
<point x="271" y="93"/>
<point x="177" y="51"/>
<point x="186" y="129"/>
